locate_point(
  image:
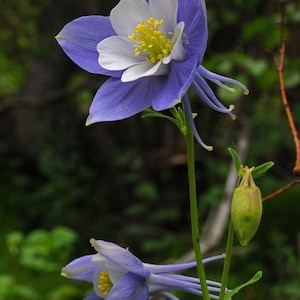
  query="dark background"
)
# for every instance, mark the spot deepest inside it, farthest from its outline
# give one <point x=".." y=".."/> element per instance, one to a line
<point x="62" y="183"/>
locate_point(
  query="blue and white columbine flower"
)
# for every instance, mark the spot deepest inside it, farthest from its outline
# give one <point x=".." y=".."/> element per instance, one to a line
<point x="117" y="274"/>
<point x="152" y="49"/>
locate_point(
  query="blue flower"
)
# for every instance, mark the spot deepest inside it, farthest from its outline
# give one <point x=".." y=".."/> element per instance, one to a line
<point x="117" y="274"/>
<point x="152" y="49"/>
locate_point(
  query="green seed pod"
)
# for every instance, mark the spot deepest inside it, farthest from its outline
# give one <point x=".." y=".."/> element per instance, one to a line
<point x="246" y="208"/>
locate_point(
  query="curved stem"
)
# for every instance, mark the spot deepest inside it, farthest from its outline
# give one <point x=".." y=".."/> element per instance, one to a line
<point x="194" y="208"/>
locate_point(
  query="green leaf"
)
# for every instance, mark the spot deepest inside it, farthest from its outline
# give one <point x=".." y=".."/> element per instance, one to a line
<point x="152" y="113"/>
<point x="261" y="169"/>
<point x="254" y="279"/>
<point x="258" y="171"/>
<point x="148" y="113"/>
<point x="235" y="159"/>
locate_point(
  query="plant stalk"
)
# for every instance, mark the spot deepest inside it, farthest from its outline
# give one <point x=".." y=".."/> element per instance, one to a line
<point x="227" y="260"/>
<point x="194" y="209"/>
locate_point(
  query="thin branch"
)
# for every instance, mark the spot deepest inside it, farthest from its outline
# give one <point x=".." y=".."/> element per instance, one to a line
<point x="281" y="190"/>
<point x="280" y="66"/>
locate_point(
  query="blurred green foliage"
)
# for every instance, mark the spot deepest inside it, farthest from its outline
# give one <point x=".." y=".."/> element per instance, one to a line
<point x="126" y="181"/>
<point x="19" y="22"/>
<point x="32" y="262"/>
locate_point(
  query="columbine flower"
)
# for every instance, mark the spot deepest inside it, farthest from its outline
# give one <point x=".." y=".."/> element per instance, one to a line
<point x="152" y="49"/>
<point x="117" y="274"/>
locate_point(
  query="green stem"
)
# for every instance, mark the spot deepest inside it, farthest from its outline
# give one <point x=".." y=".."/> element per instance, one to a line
<point x="194" y="209"/>
<point x="227" y="260"/>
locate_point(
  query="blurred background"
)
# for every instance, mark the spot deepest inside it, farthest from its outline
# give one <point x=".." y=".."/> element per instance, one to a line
<point x="62" y="183"/>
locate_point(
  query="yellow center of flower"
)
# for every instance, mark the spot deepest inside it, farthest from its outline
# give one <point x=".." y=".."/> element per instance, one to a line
<point x="104" y="283"/>
<point x="150" y="41"/>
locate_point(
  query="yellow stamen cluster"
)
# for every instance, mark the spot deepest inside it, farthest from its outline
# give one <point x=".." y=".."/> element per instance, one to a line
<point x="154" y="44"/>
<point x="104" y="283"/>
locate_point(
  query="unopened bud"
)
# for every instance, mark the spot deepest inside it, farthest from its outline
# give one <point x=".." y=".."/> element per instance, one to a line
<point x="246" y="208"/>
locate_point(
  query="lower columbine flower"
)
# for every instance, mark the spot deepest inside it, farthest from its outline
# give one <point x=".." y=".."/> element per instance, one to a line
<point x="117" y="274"/>
<point x="152" y="49"/>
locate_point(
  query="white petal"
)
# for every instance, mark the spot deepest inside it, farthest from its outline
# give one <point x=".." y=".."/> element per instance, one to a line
<point x="177" y="52"/>
<point x="166" y="60"/>
<point x="117" y="53"/>
<point x="127" y="14"/>
<point x="144" y="69"/>
<point x="166" y="10"/>
<point x="96" y="277"/>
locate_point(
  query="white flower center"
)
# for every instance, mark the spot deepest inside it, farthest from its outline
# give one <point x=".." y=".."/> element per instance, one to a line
<point x="150" y="41"/>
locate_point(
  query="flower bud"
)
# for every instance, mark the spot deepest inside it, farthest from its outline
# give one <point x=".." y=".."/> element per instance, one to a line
<point x="246" y="208"/>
